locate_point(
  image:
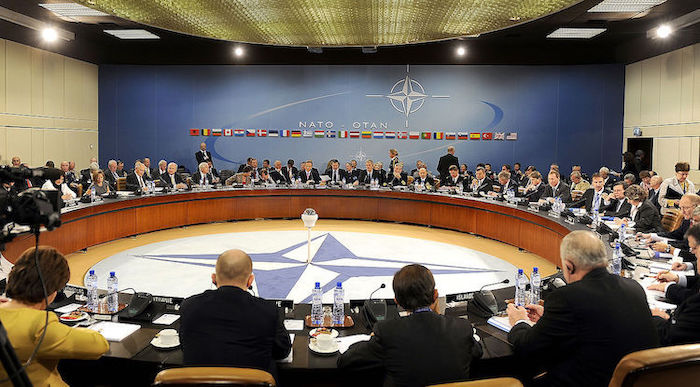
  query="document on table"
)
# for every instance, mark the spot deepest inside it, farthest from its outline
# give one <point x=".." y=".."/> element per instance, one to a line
<point x="503" y="323"/>
<point x="658" y="267"/>
<point x="115" y="331"/>
<point x="345" y="342"/>
<point x="290" y="357"/>
<point x="294" y="325"/>
<point x="67" y="308"/>
<point x="655" y="297"/>
<point x="166" y="319"/>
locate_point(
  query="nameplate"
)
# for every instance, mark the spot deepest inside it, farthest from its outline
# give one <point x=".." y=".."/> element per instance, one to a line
<point x="459" y="297"/>
<point x="289" y="304"/>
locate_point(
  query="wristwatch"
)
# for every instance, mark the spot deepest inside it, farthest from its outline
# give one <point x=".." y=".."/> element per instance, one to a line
<point x="668" y="248"/>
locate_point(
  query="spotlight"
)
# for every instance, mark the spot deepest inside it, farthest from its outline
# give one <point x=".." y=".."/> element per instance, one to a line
<point x="49" y="34"/>
<point x="238" y="51"/>
<point x="461" y="51"/>
<point x="663" y="31"/>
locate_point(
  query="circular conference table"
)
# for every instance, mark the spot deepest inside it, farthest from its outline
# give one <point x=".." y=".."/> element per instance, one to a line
<point x="88" y="225"/>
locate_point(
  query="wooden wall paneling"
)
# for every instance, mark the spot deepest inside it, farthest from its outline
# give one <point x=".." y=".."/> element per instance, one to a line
<point x="405" y="211"/>
<point x="109" y="226"/>
<point x="161" y="216"/>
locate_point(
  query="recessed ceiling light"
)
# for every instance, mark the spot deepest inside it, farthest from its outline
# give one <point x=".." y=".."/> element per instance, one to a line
<point x="515" y="18"/>
<point x="71" y="10"/>
<point x="132" y="34"/>
<point x="625" y="6"/>
<point x="576" y="33"/>
<point x="461" y="51"/>
<point x="663" y="31"/>
<point x="238" y="51"/>
<point x="49" y="34"/>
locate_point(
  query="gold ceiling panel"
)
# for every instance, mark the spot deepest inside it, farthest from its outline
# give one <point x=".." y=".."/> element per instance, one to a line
<point x="330" y="22"/>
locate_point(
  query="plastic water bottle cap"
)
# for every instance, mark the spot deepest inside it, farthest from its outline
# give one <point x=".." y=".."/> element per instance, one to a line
<point x="339" y="285"/>
<point x="318" y="285"/>
<point x="92" y="272"/>
<point x="520" y="271"/>
<point x="535" y="269"/>
<point x="111" y="274"/>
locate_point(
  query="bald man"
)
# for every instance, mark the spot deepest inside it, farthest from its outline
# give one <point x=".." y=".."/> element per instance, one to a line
<point x="230" y="327"/>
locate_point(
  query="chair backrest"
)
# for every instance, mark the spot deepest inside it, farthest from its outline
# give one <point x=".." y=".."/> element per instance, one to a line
<point x="121" y="184"/>
<point x="495" y="382"/>
<point x="410" y="180"/>
<point x="224" y="174"/>
<point x="576" y="195"/>
<point x="219" y="376"/>
<point x="658" y="366"/>
<point x="672" y="219"/>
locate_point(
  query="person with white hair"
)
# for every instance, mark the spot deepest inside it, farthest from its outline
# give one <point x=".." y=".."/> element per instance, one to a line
<point x="86" y="180"/>
<point x="203" y="177"/>
<point x="586" y="327"/>
<point x="655" y="183"/>
<point x="172" y="179"/>
<point x="136" y="180"/>
<point x="111" y="174"/>
<point x="162" y="169"/>
<point x="608" y="181"/>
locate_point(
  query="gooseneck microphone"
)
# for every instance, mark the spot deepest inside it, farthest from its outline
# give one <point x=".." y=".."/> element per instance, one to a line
<point x="505" y="281"/>
<point x="382" y="286"/>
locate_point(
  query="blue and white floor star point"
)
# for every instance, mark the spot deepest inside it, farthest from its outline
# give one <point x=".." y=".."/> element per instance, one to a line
<point x="361" y="261"/>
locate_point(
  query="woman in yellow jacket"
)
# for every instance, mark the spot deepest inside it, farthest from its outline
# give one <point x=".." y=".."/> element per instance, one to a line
<point x="23" y="316"/>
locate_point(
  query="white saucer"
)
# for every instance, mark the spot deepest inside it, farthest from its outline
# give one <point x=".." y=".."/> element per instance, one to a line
<point x="317" y="350"/>
<point x="334" y="333"/>
<point x="156" y="343"/>
<point x="83" y="317"/>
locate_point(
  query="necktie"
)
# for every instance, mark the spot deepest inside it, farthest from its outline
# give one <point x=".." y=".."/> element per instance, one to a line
<point x="140" y="181"/>
<point x="172" y="180"/>
<point x="596" y="201"/>
<point x="685" y="186"/>
<point x="29" y="183"/>
<point x="114" y="174"/>
<point x="619" y="204"/>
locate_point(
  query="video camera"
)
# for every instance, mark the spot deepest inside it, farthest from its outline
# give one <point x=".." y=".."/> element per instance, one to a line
<point x="32" y="207"/>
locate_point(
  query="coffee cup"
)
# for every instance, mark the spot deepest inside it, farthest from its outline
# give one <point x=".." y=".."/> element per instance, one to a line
<point x="325" y="341"/>
<point x="168" y="337"/>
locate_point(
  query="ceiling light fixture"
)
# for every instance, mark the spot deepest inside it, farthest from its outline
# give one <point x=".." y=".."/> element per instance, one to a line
<point x="663" y="31"/>
<point x="49" y="34"/>
<point x="238" y="51"/>
<point x="576" y="33"/>
<point x="35" y="24"/>
<point x="72" y="10"/>
<point x="625" y="6"/>
<point x="132" y="34"/>
<point x="461" y="51"/>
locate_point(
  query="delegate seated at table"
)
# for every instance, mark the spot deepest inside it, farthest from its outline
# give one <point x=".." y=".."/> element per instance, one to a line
<point x="23" y="317"/>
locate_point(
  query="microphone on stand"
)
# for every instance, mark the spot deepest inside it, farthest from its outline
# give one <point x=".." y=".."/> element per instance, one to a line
<point x="374" y="310"/>
<point x="484" y="303"/>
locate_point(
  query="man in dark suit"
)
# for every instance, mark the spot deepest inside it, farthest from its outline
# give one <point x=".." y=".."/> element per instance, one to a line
<point x="369" y="174"/>
<point x="583" y="331"/>
<point x="228" y="326"/>
<point x="593" y="197"/>
<point x="481" y="182"/>
<point x="423" y="179"/>
<point x="423" y="348"/>
<point x="505" y="184"/>
<point x="120" y="169"/>
<point x="337" y="175"/>
<point x="535" y="189"/>
<point x="351" y="174"/>
<point x="616" y="204"/>
<point x="645" y="216"/>
<point x="309" y="174"/>
<point x="203" y="177"/>
<point x="556" y="187"/>
<point x="398" y="176"/>
<point x="655" y="183"/>
<point x="247" y="164"/>
<point x="149" y="173"/>
<point x="277" y="173"/>
<point x="172" y="179"/>
<point x="290" y="171"/>
<point x="394" y="159"/>
<point x="453" y="179"/>
<point x="446" y="162"/>
<point x="608" y="180"/>
<point x="136" y="180"/>
<point x="111" y="174"/>
<point x="203" y="155"/>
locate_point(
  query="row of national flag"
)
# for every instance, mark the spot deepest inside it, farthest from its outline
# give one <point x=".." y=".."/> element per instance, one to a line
<point x="356" y="134"/>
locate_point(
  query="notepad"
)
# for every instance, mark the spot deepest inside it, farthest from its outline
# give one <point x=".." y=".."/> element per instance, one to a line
<point x="294" y="325"/>
<point x="115" y="331"/>
<point x="166" y="319"/>
<point x="345" y="342"/>
<point x="67" y="308"/>
<point x="503" y="323"/>
<point x="290" y="357"/>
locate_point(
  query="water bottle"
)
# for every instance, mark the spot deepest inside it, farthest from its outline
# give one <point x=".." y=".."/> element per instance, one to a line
<point x="91" y="285"/>
<point x="339" y="305"/>
<point x="521" y="289"/>
<point x="616" y="264"/>
<point x="535" y="283"/>
<point x="621" y="233"/>
<point x="112" y="293"/>
<point x="316" y="305"/>
<point x="92" y="194"/>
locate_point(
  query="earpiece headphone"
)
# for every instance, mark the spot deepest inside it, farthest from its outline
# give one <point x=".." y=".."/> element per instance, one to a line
<point x="571" y="269"/>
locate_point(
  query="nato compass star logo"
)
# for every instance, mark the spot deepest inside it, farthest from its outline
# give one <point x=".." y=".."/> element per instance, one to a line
<point x="407" y="95"/>
<point x="276" y="275"/>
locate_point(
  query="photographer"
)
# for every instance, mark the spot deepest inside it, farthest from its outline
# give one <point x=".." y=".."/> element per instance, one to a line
<point x="24" y="318"/>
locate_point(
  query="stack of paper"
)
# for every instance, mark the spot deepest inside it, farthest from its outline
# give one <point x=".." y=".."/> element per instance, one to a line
<point x="290" y="357"/>
<point x="502" y="323"/>
<point x="115" y="331"/>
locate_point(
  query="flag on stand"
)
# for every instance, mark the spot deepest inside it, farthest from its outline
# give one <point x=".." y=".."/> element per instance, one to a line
<point x="438" y="135"/>
<point x="355" y="134"/>
<point x="216" y="132"/>
<point x="250" y="132"/>
<point x="366" y="134"/>
<point x="499" y="136"/>
<point x="425" y="135"/>
<point x="330" y="133"/>
<point x="228" y="132"/>
<point x="194" y="132"/>
<point x="474" y="136"/>
<point x="239" y="132"/>
<point x="308" y="133"/>
<point x="463" y="136"/>
<point x="487" y="136"/>
<point x="450" y="135"/>
<point x="273" y="133"/>
<point x="378" y="135"/>
<point x="262" y="132"/>
<point x="296" y="133"/>
<point x="343" y="133"/>
<point x="512" y="136"/>
<point x="414" y="135"/>
<point x="285" y="132"/>
<point x="402" y="135"/>
<point x="389" y="134"/>
<point x="206" y="132"/>
<point x="319" y="133"/>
